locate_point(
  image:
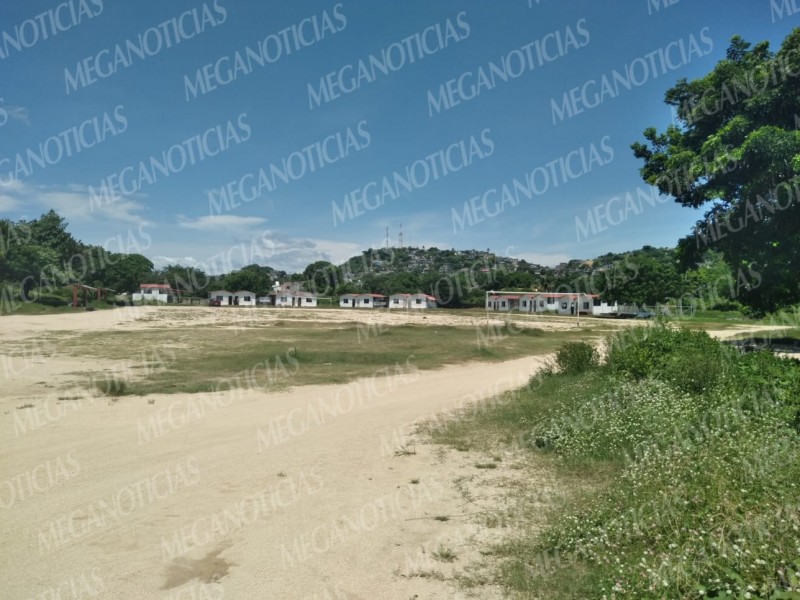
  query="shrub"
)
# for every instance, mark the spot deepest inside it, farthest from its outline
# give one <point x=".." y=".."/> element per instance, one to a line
<point x="576" y="357"/>
<point x="691" y="361"/>
<point x="112" y="387"/>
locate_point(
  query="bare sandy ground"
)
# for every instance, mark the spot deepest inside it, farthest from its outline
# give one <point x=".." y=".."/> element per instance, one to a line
<point x="315" y="492"/>
<point x="319" y="492"/>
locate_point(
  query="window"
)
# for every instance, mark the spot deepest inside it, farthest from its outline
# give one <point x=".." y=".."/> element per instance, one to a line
<point x="541" y="303"/>
<point x="308" y="300"/>
<point x="503" y="303"/>
<point x="524" y="303"/>
<point x="585" y="306"/>
<point x="345" y="301"/>
<point x="564" y="305"/>
<point x="419" y="300"/>
<point x="366" y="300"/>
<point x="246" y="298"/>
<point x="597" y="301"/>
<point x="551" y="300"/>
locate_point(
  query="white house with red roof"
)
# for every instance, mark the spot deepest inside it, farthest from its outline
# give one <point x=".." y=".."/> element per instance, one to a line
<point x="371" y="301"/>
<point x="503" y="302"/>
<point x="155" y="292"/>
<point x="421" y="301"/>
<point x="347" y="300"/>
<point x="561" y="303"/>
<point x="415" y="301"/>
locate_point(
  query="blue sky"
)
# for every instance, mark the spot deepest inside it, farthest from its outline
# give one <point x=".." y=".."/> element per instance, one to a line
<point x="171" y="132"/>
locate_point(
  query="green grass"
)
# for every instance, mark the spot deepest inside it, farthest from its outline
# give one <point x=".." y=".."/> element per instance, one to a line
<point x="291" y="353"/>
<point x="681" y="464"/>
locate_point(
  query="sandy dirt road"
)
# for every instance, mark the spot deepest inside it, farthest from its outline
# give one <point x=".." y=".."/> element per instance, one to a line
<point x="297" y="494"/>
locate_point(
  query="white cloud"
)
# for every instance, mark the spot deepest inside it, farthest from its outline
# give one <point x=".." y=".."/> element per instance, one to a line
<point x="71" y="201"/>
<point x="7" y="203"/>
<point x="220" y="222"/>
<point x="17" y="113"/>
<point x="216" y="255"/>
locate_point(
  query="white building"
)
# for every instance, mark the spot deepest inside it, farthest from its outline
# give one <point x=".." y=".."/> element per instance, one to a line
<point x="370" y="301"/>
<point x="421" y="301"/>
<point x="400" y="301"/>
<point x="244" y="298"/>
<point x="551" y="302"/>
<point x="155" y="292"/>
<point x="224" y="296"/>
<point x="503" y="302"/>
<point x="296" y="299"/>
<point x="348" y="300"/>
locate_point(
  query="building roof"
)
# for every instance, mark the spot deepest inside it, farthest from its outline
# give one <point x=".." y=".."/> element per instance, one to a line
<point x="165" y="286"/>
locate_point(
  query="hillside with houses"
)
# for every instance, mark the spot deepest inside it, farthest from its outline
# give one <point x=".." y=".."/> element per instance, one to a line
<point x="70" y="272"/>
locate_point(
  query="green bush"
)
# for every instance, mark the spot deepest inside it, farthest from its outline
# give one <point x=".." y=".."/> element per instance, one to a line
<point x="691" y="361"/>
<point x="704" y="500"/>
<point x="576" y="357"/>
<point x="112" y="387"/>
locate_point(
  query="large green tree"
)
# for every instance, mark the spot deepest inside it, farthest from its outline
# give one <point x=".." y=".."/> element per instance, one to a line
<point x="736" y="150"/>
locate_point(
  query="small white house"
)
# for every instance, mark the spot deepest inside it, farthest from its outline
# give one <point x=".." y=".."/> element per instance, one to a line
<point x="305" y="300"/>
<point x="287" y="299"/>
<point x="224" y="296"/>
<point x="370" y="301"/>
<point x="244" y="298"/>
<point x="503" y="302"/>
<point x="422" y="301"/>
<point x="348" y="300"/>
<point x="400" y="301"/>
<point x="155" y="292"/>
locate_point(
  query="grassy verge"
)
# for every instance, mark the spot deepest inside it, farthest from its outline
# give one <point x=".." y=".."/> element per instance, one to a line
<point x="290" y="353"/>
<point x="694" y="455"/>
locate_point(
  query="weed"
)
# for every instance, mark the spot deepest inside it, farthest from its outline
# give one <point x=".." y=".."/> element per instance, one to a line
<point x="444" y="554"/>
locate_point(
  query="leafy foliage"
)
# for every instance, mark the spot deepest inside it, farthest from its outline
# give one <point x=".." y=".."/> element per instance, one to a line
<point x="737" y="149"/>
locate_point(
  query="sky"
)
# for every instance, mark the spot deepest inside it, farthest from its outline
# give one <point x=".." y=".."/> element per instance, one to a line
<point x="222" y="133"/>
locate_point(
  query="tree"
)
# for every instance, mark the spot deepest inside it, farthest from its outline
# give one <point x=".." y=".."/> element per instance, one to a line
<point x="125" y="272"/>
<point x="737" y="150"/>
<point x="253" y="278"/>
<point x="322" y="277"/>
<point x="50" y="231"/>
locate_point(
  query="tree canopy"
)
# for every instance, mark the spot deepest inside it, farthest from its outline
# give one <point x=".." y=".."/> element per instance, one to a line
<point x="736" y="150"/>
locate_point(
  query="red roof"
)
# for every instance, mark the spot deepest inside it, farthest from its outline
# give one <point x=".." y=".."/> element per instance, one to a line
<point x="156" y="285"/>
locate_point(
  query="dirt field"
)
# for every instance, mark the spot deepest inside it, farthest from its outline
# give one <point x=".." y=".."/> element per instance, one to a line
<point x="318" y="491"/>
<point x="312" y="492"/>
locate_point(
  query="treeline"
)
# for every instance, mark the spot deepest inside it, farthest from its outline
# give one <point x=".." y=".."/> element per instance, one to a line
<point x="646" y="276"/>
<point x="39" y="258"/>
